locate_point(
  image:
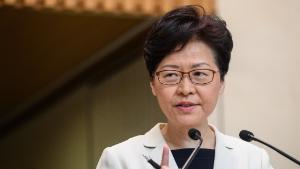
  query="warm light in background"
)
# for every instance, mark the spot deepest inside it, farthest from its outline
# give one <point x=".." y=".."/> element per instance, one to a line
<point x="135" y="7"/>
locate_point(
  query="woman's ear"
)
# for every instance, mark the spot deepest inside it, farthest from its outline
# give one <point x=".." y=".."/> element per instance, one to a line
<point x="222" y="87"/>
<point x="152" y="88"/>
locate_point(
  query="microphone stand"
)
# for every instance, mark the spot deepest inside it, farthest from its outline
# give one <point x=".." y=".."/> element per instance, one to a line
<point x="192" y="156"/>
<point x="276" y="149"/>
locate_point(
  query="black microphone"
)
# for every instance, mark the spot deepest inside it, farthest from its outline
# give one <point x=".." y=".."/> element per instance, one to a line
<point x="195" y="135"/>
<point x="249" y="136"/>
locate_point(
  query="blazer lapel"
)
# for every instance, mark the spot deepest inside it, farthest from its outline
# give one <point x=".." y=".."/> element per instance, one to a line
<point x="153" y="146"/>
<point x="224" y="152"/>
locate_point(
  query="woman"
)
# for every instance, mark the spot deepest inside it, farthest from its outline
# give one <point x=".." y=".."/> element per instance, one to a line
<point x="187" y="55"/>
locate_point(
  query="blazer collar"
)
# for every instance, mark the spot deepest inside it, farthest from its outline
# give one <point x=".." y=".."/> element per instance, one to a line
<point x="154" y="142"/>
<point x="221" y="139"/>
<point x="154" y="137"/>
<point x="224" y="149"/>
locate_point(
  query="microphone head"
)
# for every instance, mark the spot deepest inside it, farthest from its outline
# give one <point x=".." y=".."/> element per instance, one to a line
<point x="246" y="135"/>
<point x="194" y="134"/>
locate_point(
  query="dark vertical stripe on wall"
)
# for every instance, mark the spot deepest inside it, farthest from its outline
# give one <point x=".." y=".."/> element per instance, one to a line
<point x="89" y="128"/>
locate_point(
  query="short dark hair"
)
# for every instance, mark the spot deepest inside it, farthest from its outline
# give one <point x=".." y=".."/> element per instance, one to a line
<point x="180" y="25"/>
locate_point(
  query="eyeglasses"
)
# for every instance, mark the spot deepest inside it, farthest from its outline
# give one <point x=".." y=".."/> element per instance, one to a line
<point x="197" y="76"/>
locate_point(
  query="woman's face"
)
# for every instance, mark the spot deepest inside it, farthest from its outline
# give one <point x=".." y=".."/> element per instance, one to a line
<point x="187" y="104"/>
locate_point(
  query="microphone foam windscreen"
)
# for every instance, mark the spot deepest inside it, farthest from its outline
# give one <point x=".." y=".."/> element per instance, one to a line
<point x="194" y="134"/>
<point x="246" y="135"/>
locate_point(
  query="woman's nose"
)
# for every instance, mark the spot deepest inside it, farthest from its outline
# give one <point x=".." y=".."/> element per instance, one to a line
<point x="186" y="87"/>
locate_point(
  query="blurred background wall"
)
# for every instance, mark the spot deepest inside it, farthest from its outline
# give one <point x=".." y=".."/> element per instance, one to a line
<point x="99" y="92"/>
<point x="262" y="92"/>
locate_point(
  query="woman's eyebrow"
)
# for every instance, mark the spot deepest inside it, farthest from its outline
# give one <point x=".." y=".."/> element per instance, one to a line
<point x="199" y="65"/>
<point x="170" y="66"/>
<point x="193" y="66"/>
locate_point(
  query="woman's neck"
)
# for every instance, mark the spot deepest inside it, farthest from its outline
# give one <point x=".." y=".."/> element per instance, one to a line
<point x="177" y="137"/>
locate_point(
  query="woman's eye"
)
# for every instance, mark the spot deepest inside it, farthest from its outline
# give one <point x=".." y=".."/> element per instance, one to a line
<point x="171" y="75"/>
<point x="199" y="74"/>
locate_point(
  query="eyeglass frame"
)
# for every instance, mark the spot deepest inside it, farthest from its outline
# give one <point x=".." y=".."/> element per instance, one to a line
<point x="188" y="73"/>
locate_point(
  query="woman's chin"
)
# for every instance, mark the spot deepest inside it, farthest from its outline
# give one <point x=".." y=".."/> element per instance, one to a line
<point x="189" y="122"/>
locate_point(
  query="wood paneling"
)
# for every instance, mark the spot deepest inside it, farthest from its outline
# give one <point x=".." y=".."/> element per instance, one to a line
<point x="135" y="7"/>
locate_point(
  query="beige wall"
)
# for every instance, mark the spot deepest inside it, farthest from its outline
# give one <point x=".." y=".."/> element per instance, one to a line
<point x="262" y="88"/>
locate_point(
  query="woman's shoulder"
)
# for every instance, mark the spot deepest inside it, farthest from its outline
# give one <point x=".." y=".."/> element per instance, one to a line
<point x="123" y="154"/>
<point x="138" y="143"/>
<point x="246" y="149"/>
<point x="236" y="143"/>
<point x="248" y="152"/>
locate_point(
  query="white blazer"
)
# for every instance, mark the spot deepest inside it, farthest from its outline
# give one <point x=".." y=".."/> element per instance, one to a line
<point x="230" y="153"/>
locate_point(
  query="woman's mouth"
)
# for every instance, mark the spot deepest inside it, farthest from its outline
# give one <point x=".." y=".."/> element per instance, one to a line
<point x="186" y="106"/>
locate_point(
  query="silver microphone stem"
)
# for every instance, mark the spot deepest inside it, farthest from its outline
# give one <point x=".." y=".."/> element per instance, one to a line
<point x="192" y="156"/>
